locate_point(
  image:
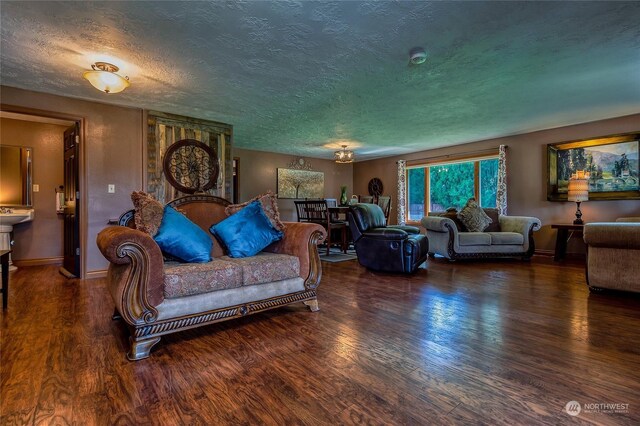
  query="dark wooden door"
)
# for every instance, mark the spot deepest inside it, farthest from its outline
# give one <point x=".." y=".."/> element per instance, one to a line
<point x="71" y="262"/>
<point x="236" y="180"/>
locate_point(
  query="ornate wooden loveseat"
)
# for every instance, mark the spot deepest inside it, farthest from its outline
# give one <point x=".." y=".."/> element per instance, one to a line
<point x="156" y="297"/>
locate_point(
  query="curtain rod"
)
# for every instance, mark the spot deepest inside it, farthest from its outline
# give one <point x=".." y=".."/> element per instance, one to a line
<point x="460" y="154"/>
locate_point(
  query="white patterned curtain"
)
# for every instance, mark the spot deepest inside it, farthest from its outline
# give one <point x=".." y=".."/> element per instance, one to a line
<point x="501" y="196"/>
<point x="402" y="191"/>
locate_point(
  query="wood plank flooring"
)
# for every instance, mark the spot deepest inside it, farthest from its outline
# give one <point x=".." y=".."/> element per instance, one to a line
<point x="496" y="342"/>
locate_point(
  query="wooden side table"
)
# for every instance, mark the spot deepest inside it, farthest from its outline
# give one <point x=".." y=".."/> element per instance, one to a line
<point x="563" y="237"/>
<point x="4" y="260"/>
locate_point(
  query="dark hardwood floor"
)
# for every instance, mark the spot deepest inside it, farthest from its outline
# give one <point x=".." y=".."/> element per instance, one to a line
<point x="500" y="342"/>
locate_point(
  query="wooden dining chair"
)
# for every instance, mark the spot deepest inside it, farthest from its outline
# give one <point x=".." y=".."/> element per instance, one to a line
<point x="333" y="202"/>
<point x="365" y="199"/>
<point x="317" y="211"/>
<point x="384" y="201"/>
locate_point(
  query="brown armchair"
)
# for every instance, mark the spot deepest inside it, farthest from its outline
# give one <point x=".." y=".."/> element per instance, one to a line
<point x="613" y="255"/>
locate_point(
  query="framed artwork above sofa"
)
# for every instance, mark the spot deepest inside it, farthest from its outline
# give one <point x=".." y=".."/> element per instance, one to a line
<point x="612" y="163"/>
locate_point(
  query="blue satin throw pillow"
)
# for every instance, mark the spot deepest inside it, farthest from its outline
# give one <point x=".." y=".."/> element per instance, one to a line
<point x="183" y="239"/>
<point x="246" y="232"/>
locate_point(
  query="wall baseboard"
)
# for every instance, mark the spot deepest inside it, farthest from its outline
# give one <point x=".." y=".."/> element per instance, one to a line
<point x="569" y="255"/>
<point x="96" y="274"/>
<point x="38" y="262"/>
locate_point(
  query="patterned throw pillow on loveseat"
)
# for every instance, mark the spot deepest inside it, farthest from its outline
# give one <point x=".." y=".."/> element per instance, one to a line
<point x="473" y="217"/>
<point x="148" y="212"/>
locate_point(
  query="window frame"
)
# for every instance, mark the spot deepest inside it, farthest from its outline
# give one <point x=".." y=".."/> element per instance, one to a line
<point x="427" y="164"/>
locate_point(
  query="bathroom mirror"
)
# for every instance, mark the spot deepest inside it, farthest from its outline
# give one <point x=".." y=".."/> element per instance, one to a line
<point x="16" y="176"/>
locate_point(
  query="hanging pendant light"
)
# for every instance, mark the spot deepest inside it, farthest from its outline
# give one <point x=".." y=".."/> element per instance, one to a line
<point x="344" y="156"/>
<point x="104" y="78"/>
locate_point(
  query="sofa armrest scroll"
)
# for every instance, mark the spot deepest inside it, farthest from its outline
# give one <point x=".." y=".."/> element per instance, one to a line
<point x="439" y="224"/>
<point x="520" y="224"/>
<point x="136" y="272"/>
<point x="301" y="239"/>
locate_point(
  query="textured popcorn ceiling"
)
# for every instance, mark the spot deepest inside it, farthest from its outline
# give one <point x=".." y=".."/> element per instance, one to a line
<point x="297" y="77"/>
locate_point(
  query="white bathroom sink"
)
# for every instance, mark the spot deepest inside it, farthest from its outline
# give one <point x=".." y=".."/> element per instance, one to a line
<point x="17" y="216"/>
<point x="7" y="220"/>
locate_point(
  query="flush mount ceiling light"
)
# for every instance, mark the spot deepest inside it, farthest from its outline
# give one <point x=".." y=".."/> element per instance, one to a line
<point x="104" y="78"/>
<point x="344" y="156"/>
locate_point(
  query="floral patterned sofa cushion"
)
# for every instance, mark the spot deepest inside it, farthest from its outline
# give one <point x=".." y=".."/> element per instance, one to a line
<point x="185" y="279"/>
<point x="266" y="267"/>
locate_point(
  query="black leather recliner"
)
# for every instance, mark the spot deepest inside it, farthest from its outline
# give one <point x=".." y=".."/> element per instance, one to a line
<point x="385" y="248"/>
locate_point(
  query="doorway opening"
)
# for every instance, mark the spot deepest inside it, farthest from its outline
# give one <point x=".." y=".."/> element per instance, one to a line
<point x="55" y="236"/>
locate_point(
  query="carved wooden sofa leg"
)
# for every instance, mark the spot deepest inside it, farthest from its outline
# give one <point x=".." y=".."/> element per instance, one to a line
<point x="312" y="304"/>
<point x="140" y="348"/>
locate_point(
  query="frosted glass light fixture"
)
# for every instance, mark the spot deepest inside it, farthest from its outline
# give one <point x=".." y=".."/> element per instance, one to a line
<point x="344" y="156"/>
<point x="104" y="78"/>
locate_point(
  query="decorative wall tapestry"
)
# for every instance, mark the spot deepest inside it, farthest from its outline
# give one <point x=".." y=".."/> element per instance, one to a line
<point x="300" y="184"/>
<point x="164" y="130"/>
<point x="612" y="164"/>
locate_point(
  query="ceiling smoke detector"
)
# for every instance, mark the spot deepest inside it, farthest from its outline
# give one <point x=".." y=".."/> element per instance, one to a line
<point x="417" y="56"/>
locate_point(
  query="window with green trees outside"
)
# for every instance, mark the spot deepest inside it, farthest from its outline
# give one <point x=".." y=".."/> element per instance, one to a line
<point x="436" y="187"/>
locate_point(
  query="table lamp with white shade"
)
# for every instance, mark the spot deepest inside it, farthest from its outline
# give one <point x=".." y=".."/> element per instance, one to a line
<point x="578" y="191"/>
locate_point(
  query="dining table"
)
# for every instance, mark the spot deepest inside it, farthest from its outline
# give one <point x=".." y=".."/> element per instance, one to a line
<point x="339" y="211"/>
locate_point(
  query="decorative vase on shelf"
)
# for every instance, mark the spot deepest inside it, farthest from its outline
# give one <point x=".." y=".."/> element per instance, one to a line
<point x="343" y="195"/>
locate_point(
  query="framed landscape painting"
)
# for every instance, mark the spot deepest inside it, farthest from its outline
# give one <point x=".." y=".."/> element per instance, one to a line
<point x="294" y="183"/>
<point x="611" y="161"/>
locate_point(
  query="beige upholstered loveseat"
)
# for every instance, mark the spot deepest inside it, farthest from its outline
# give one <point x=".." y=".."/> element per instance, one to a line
<point x="155" y="297"/>
<point x="613" y="254"/>
<point x="513" y="237"/>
